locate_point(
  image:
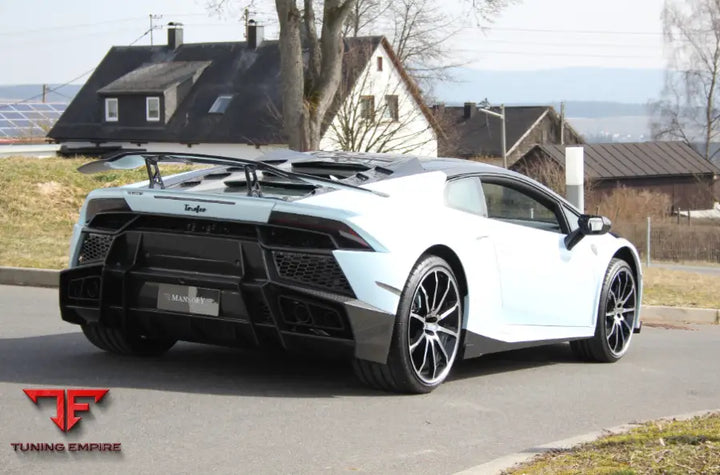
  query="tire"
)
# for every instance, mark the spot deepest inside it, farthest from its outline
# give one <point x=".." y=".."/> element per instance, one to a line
<point x="426" y="336"/>
<point x="616" y="317"/>
<point x="114" y="340"/>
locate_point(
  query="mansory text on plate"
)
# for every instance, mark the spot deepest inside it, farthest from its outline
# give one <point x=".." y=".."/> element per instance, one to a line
<point x="403" y="264"/>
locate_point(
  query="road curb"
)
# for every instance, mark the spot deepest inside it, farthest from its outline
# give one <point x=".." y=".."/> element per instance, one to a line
<point x="506" y="462"/>
<point x="29" y="277"/>
<point x="661" y="314"/>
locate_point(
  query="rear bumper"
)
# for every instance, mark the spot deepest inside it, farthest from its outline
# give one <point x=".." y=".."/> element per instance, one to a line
<point x="260" y="302"/>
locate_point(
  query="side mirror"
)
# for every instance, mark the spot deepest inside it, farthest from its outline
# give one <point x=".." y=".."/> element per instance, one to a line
<point x="588" y="225"/>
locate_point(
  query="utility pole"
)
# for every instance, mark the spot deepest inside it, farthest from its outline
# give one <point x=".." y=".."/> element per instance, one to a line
<point x="503" y="137"/>
<point x="44" y="94"/>
<point x="562" y="123"/>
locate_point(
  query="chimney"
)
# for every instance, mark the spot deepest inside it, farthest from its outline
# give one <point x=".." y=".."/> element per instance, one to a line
<point x="254" y="34"/>
<point x="469" y="110"/>
<point x="175" y="35"/>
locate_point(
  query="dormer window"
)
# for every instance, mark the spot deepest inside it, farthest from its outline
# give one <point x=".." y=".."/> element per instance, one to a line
<point x="220" y="105"/>
<point x="111" y="109"/>
<point x="152" y="109"/>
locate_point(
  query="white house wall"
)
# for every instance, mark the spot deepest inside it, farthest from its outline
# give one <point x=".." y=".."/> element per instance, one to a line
<point x="416" y="135"/>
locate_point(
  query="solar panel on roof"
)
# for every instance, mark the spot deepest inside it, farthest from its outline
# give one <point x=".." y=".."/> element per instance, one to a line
<point x="25" y="119"/>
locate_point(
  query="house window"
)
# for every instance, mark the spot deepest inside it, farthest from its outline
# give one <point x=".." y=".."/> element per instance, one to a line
<point x="111" y="109"/>
<point x="379" y="63"/>
<point x="152" y="109"/>
<point x="391" y="108"/>
<point x="220" y="105"/>
<point x="367" y="107"/>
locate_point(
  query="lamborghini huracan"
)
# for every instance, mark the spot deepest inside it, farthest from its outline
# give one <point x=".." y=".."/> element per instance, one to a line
<point x="402" y="264"/>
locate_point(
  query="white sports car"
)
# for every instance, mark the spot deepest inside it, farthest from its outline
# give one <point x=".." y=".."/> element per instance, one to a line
<point x="401" y="263"/>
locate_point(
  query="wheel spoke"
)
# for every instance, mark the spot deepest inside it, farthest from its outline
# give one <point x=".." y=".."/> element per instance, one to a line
<point x="419" y="340"/>
<point x="442" y="299"/>
<point x="434" y="358"/>
<point x="627" y="325"/>
<point x="447" y="331"/>
<point x="622" y="337"/>
<point x="614" y="327"/>
<point x="417" y="317"/>
<point x="427" y="299"/>
<point x="435" y="291"/>
<point x="627" y="297"/>
<point x="444" y="353"/>
<point x="448" y="312"/>
<point x="425" y="354"/>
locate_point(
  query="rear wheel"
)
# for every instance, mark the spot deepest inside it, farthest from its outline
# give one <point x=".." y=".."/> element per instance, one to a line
<point x="617" y="314"/>
<point x="426" y="337"/>
<point x="115" y="341"/>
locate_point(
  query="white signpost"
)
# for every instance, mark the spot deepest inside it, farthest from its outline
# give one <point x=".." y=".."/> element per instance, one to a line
<point x="575" y="176"/>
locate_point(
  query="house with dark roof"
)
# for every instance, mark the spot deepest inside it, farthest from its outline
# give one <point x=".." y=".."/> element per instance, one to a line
<point x="471" y="133"/>
<point x="225" y="98"/>
<point x="673" y="168"/>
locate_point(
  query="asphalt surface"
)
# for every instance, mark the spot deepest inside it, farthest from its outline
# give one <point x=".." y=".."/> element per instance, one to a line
<point x="206" y="409"/>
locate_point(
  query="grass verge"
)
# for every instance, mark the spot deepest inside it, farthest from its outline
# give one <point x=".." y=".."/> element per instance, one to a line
<point x="680" y="289"/>
<point x="39" y="202"/>
<point x="672" y="447"/>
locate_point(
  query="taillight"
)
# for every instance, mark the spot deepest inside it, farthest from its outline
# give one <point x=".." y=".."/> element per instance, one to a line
<point x="101" y="205"/>
<point x="345" y="236"/>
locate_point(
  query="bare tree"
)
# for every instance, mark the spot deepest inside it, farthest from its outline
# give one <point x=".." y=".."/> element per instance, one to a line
<point x="688" y="109"/>
<point x="419" y="29"/>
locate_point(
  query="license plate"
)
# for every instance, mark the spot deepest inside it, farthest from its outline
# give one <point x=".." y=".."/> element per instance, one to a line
<point x="188" y="299"/>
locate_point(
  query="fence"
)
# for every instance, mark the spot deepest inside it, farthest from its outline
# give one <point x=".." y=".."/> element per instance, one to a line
<point x="673" y="240"/>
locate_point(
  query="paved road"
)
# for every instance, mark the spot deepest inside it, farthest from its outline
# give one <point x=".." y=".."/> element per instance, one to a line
<point x="202" y="408"/>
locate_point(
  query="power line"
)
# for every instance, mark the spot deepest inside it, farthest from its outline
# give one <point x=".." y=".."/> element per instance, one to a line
<point x="55" y="28"/>
<point x="585" y="32"/>
<point x="53" y="89"/>
<point x="574" y="55"/>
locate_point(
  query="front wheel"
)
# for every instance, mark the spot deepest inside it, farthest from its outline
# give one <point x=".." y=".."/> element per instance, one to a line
<point x="426" y="336"/>
<point x="616" y="318"/>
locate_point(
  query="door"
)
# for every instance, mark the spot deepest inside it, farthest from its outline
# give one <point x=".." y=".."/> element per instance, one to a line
<point x="542" y="283"/>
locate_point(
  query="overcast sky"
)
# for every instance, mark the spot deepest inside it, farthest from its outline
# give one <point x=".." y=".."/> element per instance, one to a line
<point x="44" y="41"/>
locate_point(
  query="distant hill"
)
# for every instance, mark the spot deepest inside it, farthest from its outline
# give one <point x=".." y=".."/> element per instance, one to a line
<point x="635" y="86"/>
<point x="21" y="92"/>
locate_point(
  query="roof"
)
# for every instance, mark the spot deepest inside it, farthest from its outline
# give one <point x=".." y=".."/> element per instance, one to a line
<point x="481" y="134"/>
<point x="155" y="77"/>
<point x="28" y="119"/>
<point x="644" y="159"/>
<point x="251" y="76"/>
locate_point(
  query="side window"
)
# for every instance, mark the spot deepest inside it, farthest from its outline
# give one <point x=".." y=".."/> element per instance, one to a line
<point x="465" y="194"/>
<point x="519" y="207"/>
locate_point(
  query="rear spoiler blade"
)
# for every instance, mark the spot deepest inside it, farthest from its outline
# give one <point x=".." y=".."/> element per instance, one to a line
<point x="128" y="160"/>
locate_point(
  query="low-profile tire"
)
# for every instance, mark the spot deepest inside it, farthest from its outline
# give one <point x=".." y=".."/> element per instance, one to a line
<point x="617" y="314"/>
<point x="426" y="335"/>
<point x="115" y="341"/>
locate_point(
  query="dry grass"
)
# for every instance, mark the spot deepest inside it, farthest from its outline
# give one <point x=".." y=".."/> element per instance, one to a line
<point x="672" y="447"/>
<point x="680" y="289"/>
<point x="39" y="203"/>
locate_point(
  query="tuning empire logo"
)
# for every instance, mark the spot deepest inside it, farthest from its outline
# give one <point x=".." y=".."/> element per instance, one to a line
<point x="67" y="408"/>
